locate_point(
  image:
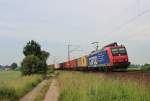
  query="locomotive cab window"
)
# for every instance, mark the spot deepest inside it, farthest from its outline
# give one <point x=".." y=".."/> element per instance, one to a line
<point x="122" y="51"/>
<point x="117" y="51"/>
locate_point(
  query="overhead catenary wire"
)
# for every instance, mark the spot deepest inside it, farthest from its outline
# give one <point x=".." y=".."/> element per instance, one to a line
<point x="140" y="13"/>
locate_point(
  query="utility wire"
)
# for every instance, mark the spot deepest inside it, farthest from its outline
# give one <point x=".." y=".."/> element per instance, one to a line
<point x="144" y="12"/>
<point x="139" y="14"/>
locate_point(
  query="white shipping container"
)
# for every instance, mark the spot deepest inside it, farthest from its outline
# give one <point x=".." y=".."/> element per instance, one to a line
<point x="57" y="66"/>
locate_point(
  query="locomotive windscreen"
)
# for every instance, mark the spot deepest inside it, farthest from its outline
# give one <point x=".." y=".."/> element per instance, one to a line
<point x="117" y="51"/>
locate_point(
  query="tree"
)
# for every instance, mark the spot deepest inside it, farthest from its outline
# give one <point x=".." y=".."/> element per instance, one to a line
<point x="30" y="65"/>
<point x="32" y="48"/>
<point x="35" y="59"/>
<point x="14" y="65"/>
<point x="44" y="55"/>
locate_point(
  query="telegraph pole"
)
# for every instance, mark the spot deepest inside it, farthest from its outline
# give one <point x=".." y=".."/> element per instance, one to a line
<point x="69" y="52"/>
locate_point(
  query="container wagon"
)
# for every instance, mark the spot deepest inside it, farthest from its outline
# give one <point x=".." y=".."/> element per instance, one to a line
<point x="82" y="63"/>
<point x="57" y="66"/>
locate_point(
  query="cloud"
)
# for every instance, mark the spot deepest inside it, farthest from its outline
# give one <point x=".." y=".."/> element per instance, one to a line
<point x="55" y="23"/>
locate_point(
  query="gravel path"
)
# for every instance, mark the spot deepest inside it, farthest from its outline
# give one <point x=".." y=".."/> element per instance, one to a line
<point x="32" y="94"/>
<point x="53" y="92"/>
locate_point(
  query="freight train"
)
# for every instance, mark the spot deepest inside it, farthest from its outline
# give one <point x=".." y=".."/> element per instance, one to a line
<point x="112" y="57"/>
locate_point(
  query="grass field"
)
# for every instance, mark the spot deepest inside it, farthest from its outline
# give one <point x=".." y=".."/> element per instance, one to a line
<point x="9" y="75"/>
<point x="134" y="69"/>
<point x="13" y="85"/>
<point x="77" y="86"/>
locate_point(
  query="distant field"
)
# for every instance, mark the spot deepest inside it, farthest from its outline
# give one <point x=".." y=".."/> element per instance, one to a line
<point x="13" y="85"/>
<point x="9" y="75"/>
<point x="77" y="86"/>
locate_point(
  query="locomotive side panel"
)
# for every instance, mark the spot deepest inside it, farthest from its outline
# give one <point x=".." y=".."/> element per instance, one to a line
<point x="99" y="59"/>
<point x="103" y="58"/>
<point x="93" y="60"/>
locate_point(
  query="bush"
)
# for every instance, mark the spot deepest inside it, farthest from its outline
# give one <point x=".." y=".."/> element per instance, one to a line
<point x="14" y="66"/>
<point x="7" y="93"/>
<point x="42" y="68"/>
<point x="30" y="64"/>
<point x="146" y="67"/>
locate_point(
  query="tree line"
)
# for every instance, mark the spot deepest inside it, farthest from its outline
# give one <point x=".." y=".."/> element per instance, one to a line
<point x="13" y="66"/>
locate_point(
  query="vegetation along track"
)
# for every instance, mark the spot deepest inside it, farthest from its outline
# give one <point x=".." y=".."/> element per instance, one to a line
<point x="137" y="76"/>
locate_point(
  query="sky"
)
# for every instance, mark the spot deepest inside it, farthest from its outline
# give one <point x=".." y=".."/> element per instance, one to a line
<point x="57" y="23"/>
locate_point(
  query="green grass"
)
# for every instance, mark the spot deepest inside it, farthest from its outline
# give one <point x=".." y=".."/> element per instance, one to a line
<point x="76" y="86"/>
<point x="134" y="69"/>
<point x="9" y="75"/>
<point x="13" y="85"/>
